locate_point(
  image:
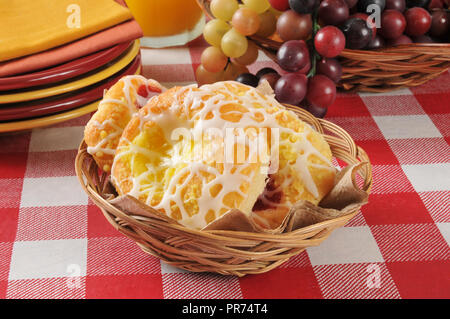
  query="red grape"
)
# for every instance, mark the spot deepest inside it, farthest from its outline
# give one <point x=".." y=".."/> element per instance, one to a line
<point x="321" y="91"/>
<point x="303" y="6"/>
<point x="291" y="88"/>
<point x="293" y="55"/>
<point x="439" y="23"/>
<point x="333" y="12"/>
<point x="403" y="39"/>
<point x="393" y="23"/>
<point x="329" y="41"/>
<point x="418" y="21"/>
<point x="331" y="68"/>
<point x="294" y="26"/>
<point x="248" y="79"/>
<point x="398" y="5"/>
<point x="280" y="5"/>
<point x="272" y="78"/>
<point x="357" y="33"/>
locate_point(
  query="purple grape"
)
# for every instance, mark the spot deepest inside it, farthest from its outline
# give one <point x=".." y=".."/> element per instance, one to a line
<point x="264" y="71"/>
<point x="248" y="79"/>
<point x="398" y="5"/>
<point x="303" y="6"/>
<point x="291" y="88"/>
<point x="317" y="111"/>
<point x="333" y="12"/>
<point x="417" y="3"/>
<point x="351" y="3"/>
<point x="403" y="39"/>
<point x="293" y="55"/>
<point x="423" y="39"/>
<point x="376" y="43"/>
<point x="357" y="33"/>
<point x="364" y="4"/>
<point x="330" y="68"/>
<point x="440" y="23"/>
<point x="272" y="78"/>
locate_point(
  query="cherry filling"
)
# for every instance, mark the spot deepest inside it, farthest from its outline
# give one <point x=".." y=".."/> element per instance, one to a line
<point x="145" y="90"/>
<point x="273" y="198"/>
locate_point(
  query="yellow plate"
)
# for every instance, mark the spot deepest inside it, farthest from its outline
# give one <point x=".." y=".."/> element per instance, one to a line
<point x="52" y="119"/>
<point x="75" y="85"/>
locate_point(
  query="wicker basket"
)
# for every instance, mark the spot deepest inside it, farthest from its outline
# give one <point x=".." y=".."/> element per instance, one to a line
<point x="222" y="251"/>
<point x="380" y="70"/>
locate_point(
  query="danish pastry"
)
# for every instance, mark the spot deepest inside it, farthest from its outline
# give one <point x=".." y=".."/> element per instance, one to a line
<point x="119" y="103"/>
<point x="195" y="186"/>
<point x="165" y="172"/>
<point x="305" y="171"/>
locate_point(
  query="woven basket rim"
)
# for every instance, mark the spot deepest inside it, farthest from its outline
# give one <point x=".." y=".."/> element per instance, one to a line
<point x="225" y="252"/>
<point x="228" y="234"/>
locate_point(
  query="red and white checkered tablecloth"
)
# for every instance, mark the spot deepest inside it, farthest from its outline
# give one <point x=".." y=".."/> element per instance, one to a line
<point x="55" y="243"/>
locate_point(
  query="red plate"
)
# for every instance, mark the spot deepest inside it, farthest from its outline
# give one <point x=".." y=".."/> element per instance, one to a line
<point x="64" y="71"/>
<point x="63" y="102"/>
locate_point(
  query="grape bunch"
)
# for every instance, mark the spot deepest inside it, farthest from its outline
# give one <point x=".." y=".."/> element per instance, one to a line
<point x="230" y="51"/>
<point x="312" y="34"/>
<point x="307" y="55"/>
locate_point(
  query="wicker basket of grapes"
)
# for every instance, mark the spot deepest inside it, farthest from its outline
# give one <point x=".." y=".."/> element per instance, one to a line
<point x="321" y="45"/>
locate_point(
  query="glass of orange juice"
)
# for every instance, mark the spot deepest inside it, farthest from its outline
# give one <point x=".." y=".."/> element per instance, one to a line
<point x="167" y="22"/>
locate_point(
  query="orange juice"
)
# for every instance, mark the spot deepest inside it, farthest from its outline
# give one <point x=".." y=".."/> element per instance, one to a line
<point x="159" y="18"/>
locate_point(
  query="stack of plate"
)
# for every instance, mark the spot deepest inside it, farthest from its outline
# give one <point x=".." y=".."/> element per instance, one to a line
<point x="64" y="91"/>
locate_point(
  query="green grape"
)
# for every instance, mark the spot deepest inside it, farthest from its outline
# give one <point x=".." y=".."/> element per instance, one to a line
<point x="268" y="24"/>
<point x="258" y="5"/>
<point x="205" y="77"/>
<point x="246" y="21"/>
<point x="234" y="44"/>
<point x="214" y="31"/>
<point x="213" y="59"/>
<point x="223" y="9"/>
<point x="250" y="55"/>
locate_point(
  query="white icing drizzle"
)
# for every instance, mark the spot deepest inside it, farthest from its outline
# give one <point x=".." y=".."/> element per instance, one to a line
<point x="194" y="112"/>
<point x="130" y="93"/>
<point x="101" y="145"/>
